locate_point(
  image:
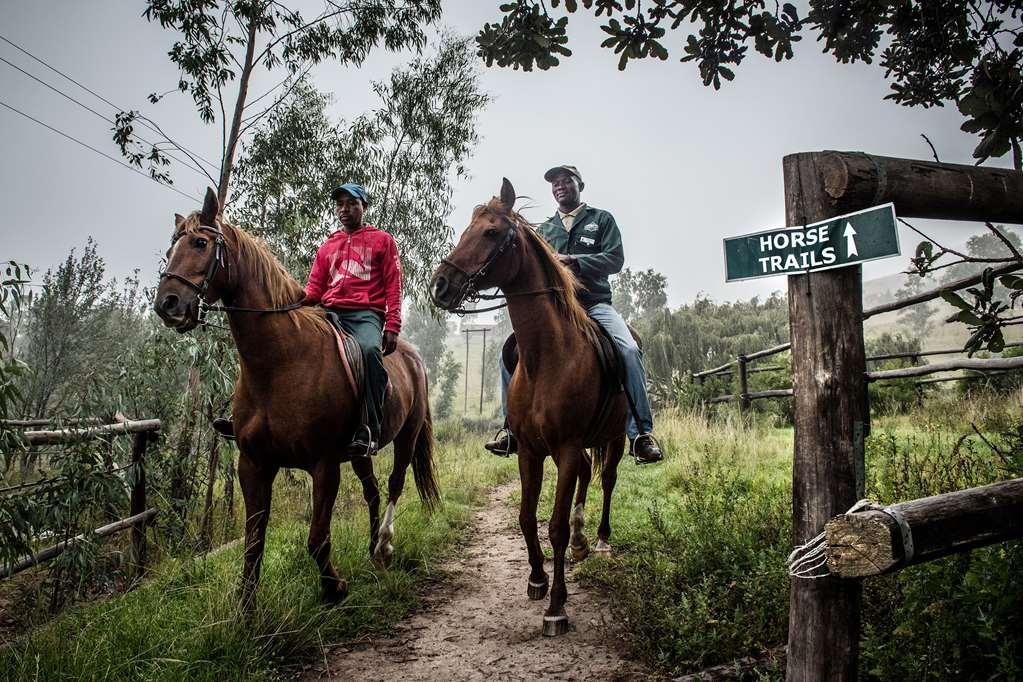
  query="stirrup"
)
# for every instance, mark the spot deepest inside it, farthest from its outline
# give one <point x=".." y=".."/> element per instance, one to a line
<point x="510" y="447"/>
<point x="366" y="447"/>
<point x="224" y="427"/>
<point x="656" y="445"/>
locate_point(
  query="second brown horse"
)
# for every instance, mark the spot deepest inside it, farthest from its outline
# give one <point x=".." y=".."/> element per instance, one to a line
<point x="554" y="396"/>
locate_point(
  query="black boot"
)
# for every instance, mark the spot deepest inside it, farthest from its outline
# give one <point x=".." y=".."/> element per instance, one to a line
<point x="224" y="426"/>
<point x="504" y="443"/>
<point x="363" y="444"/>
<point x="645" y="449"/>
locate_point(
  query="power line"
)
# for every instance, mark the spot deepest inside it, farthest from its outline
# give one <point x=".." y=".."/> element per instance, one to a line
<point x="104" y="99"/>
<point x="101" y="153"/>
<point x="93" y="111"/>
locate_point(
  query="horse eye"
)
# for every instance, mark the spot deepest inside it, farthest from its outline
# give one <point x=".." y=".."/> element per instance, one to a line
<point x="490" y="232"/>
<point x="201" y="243"/>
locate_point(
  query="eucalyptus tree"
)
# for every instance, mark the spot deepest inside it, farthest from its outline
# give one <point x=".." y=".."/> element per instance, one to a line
<point x="221" y="47"/>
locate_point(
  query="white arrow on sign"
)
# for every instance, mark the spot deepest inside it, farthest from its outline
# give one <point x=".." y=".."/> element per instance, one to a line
<point x="850" y="243"/>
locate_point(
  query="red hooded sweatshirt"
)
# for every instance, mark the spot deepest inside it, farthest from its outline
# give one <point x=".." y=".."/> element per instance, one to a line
<point x="359" y="271"/>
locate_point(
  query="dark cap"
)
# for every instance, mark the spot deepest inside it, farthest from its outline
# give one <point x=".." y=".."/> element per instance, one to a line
<point x="571" y="170"/>
<point x="352" y="189"/>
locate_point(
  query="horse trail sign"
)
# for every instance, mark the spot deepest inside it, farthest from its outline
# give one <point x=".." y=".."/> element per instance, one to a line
<point x="838" y="242"/>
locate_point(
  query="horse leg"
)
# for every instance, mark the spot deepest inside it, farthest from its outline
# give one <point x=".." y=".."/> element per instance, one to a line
<point x="404" y="446"/>
<point x="577" y="540"/>
<point x="613" y="453"/>
<point x="326" y="477"/>
<point x="257" y="487"/>
<point x="531" y="477"/>
<point x="555" y="621"/>
<point x="363" y="468"/>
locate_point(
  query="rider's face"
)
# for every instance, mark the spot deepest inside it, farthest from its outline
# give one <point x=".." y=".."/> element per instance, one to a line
<point x="349" y="210"/>
<point x="566" y="189"/>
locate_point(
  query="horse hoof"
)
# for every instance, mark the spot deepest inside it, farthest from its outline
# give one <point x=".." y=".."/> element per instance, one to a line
<point x="602" y="549"/>
<point x="536" y="591"/>
<point x="581" y="552"/>
<point x="335" y="592"/>
<point x="555" y="625"/>
<point x="383" y="555"/>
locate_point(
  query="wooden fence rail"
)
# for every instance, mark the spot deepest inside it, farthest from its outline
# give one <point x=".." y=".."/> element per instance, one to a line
<point x="873" y="542"/>
<point x="142" y="432"/>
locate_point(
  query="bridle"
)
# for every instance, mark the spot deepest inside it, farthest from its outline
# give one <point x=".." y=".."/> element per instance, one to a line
<point x="217" y="261"/>
<point x="469" y="292"/>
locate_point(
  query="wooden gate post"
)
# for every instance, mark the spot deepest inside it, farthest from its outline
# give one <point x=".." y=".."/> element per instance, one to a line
<point x="138" y="500"/>
<point x="828" y="365"/>
<point x="744" y="401"/>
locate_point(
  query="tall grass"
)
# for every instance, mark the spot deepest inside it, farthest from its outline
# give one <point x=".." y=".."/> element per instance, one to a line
<point x="183" y="623"/>
<point x="698" y="573"/>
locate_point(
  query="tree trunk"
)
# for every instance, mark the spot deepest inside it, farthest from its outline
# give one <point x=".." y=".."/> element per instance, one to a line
<point x="236" y="121"/>
<point x="211" y="481"/>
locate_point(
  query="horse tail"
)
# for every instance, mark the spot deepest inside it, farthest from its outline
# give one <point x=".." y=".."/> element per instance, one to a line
<point x="423" y="470"/>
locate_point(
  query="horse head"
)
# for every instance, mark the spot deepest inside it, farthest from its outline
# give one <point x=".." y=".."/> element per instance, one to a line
<point x="196" y="272"/>
<point x="485" y="255"/>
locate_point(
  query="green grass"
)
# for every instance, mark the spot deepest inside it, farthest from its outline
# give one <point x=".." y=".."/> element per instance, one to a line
<point x="698" y="572"/>
<point x="183" y="623"/>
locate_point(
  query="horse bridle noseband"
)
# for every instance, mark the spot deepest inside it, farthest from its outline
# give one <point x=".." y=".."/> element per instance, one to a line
<point x="470" y="293"/>
<point x="217" y="261"/>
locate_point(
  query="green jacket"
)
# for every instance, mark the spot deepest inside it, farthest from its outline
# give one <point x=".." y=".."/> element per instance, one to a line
<point x="597" y="245"/>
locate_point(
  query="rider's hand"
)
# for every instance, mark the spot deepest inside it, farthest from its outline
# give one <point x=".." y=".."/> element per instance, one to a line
<point x="390" y="342"/>
<point x="568" y="261"/>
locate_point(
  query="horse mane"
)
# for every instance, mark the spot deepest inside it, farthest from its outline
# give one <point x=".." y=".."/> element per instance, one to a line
<point x="266" y="274"/>
<point x="564" y="282"/>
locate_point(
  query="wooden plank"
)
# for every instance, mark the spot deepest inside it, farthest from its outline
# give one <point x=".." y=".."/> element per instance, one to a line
<point x="871" y="542"/>
<point x="773" y="350"/>
<point x="69" y="421"/>
<point x="61" y="547"/>
<point x="774" y="393"/>
<point x="716" y="370"/>
<point x="923" y="353"/>
<point x="980" y="364"/>
<point x="89" y="433"/>
<point x="828" y="365"/>
<point x="919" y="189"/>
<point x="954" y="285"/>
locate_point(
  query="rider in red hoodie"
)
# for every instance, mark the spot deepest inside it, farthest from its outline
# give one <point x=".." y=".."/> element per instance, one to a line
<point x="356" y="275"/>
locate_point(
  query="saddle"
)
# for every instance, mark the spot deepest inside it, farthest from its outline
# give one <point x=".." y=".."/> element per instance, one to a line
<point x="612" y="374"/>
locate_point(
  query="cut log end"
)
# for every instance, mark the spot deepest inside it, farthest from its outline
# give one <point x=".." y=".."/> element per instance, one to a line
<point x="861" y="544"/>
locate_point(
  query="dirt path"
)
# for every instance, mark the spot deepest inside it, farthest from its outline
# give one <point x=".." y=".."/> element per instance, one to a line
<point x="478" y="623"/>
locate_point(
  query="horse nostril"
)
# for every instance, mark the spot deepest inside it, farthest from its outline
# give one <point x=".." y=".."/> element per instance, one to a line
<point x="440" y="287"/>
<point x="169" y="303"/>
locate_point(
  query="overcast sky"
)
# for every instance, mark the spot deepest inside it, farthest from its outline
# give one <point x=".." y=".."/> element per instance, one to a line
<point x="679" y="165"/>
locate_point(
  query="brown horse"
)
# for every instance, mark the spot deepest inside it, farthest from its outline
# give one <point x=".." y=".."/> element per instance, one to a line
<point x="293" y="404"/>
<point x="554" y="397"/>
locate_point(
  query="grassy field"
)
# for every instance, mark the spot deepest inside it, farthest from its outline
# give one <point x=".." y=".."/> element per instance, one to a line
<point x="701" y="541"/>
<point x="698" y="572"/>
<point x="183" y="623"/>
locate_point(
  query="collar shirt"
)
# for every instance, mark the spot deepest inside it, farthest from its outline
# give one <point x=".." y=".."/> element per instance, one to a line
<point x="568" y="219"/>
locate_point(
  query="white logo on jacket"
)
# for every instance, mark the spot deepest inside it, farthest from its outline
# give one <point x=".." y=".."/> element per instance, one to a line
<point x="358" y="264"/>
<point x="591" y="227"/>
<point x="589" y="241"/>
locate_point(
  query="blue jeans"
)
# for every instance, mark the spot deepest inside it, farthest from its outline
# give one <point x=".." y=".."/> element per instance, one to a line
<point x="635" y="375"/>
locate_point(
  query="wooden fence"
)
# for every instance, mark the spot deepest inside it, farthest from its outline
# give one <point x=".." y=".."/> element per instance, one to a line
<point x="77" y="431"/>
<point x="831" y="411"/>
<point x="741" y="365"/>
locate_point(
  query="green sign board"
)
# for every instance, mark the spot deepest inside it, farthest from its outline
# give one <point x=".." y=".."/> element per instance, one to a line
<point x="834" y="243"/>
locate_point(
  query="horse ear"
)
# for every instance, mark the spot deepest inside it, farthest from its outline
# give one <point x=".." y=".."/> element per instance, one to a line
<point x="178" y="219"/>
<point x="507" y="195"/>
<point x="210" y="208"/>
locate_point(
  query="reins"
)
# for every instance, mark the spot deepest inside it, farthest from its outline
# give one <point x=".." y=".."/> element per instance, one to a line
<point x="470" y="292"/>
<point x="217" y="261"/>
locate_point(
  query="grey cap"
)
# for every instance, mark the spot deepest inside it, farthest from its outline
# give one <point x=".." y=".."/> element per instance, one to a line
<point x="571" y="170"/>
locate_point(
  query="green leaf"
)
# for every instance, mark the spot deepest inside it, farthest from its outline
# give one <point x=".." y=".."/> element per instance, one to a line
<point x="1011" y="281"/>
<point x="956" y="300"/>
